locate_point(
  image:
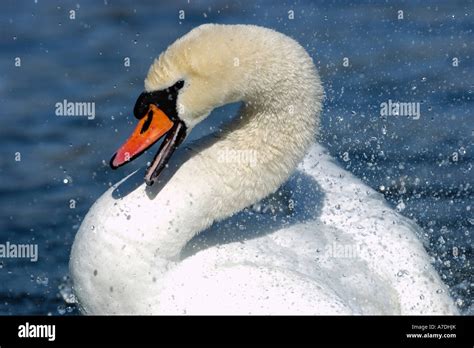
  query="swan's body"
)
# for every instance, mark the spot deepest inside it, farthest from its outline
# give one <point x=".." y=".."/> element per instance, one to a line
<point x="128" y="254"/>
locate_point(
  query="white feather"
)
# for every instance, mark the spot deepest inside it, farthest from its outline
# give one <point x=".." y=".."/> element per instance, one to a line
<point x="129" y="256"/>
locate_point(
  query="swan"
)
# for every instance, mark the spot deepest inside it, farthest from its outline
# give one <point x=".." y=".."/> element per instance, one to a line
<point x="346" y="252"/>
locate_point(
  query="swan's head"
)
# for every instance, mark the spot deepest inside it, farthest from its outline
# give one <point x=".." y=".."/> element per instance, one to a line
<point x="210" y="66"/>
<point x="184" y="84"/>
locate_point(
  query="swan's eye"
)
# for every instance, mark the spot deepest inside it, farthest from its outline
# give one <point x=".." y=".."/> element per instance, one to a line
<point x="164" y="99"/>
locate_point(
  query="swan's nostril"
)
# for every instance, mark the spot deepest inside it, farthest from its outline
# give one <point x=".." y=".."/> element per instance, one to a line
<point x="147" y="123"/>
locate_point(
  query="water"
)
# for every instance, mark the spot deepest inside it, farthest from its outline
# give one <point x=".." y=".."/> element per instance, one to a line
<point x="423" y="166"/>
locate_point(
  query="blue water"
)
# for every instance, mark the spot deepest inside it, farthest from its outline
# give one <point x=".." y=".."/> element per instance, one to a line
<point x="423" y="166"/>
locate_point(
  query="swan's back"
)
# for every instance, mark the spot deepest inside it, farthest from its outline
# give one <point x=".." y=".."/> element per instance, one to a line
<point x="354" y="256"/>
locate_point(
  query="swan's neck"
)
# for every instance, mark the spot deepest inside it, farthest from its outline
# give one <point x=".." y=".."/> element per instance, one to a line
<point x="281" y="97"/>
<point x="245" y="163"/>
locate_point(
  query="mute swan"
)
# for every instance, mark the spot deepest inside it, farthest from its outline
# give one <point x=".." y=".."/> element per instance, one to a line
<point x="127" y="257"/>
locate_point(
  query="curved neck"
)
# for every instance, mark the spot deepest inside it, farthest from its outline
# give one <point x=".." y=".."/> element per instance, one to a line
<point x="242" y="165"/>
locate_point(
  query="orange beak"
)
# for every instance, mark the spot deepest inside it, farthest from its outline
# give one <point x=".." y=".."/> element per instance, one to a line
<point x="148" y="131"/>
<point x="151" y="128"/>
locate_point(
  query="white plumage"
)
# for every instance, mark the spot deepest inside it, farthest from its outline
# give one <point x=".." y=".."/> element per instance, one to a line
<point x="129" y="254"/>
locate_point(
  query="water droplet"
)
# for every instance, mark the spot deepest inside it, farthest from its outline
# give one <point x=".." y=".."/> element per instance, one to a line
<point x="66" y="292"/>
<point x="42" y="280"/>
<point x="61" y="309"/>
<point x="402" y="272"/>
<point x="401" y="206"/>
